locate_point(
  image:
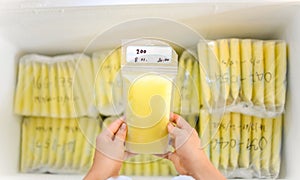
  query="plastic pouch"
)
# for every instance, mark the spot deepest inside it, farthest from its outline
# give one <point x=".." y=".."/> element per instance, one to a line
<point x="251" y="76"/>
<point x="108" y="82"/>
<point x="187" y="92"/>
<point x="243" y="146"/>
<point x="148" y="70"/>
<point x="57" y="87"/>
<point x="56" y="145"/>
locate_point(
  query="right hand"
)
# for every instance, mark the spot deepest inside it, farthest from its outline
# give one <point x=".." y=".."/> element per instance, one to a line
<point x="188" y="157"/>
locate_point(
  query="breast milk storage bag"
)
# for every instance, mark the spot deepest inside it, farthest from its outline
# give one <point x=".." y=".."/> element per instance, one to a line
<point x="148" y="70"/>
<point x="251" y="76"/>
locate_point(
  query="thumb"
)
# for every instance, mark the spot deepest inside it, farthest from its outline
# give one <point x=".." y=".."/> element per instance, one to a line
<point x="121" y="133"/>
<point x="173" y="131"/>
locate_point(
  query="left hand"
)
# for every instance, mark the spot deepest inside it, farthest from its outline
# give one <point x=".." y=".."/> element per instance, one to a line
<point x="110" y="151"/>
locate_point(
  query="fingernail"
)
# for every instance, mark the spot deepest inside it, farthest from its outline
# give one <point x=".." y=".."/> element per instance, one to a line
<point x="123" y="127"/>
<point x="123" y="117"/>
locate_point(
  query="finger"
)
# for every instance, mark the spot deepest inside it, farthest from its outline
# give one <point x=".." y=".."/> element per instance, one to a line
<point x="173" y="131"/>
<point x="163" y="155"/>
<point x="121" y="133"/>
<point x="172" y="142"/>
<point x="129" y="155"/>
<point x="176" y="161"/>
<point x="174" y="117"/>
<point x="179" y="121"/>
<point x="113" y="127"/>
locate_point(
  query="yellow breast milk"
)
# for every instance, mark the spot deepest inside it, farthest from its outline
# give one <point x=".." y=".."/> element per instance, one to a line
<point x="147" y="116"/>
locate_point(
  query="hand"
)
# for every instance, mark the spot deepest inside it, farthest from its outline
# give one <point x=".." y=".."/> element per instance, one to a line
<point x="110" y="152"/>
<point x="188" y="157"/>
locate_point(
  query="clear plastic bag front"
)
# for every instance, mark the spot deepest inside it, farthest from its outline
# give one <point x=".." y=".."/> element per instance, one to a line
<point x="148" y="70"/>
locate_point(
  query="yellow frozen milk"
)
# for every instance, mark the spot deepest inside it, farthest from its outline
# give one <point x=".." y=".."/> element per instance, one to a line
<point x="147" y="165"/>
<point x="266" y="145"/>
<point x="258" y="73"/>
<point x="54" y="108"/>
<point x="80" y="143"/>
<point x="45" y="107"/>
<point x="246" y="66"/>
<point x="225" y="137"/>
<point x="269" y="57"/>
<point x="187" y="86"/>
<point x="191" y="119"/>
<point x="280" y="74"/>
<point x="224" y="58"/>
<point x="155" y="165"/>
<point x="58" y="145"/>
<point x="122" y="170"/>
<point x="106" y="66"/>
<point x="172" y="169"/>
<point x="138" y="165"/>
<point x="235" y="136"/>
<point x="164" y="168"/>
<point x="204" y="131"/>
<point x="276" y="145"/>
<point x="195" y="100"/>
<point x="214" y="68"/>
<point x="235" y="69"/>
<point x="24" y="95"/>
<point x="36" y="106"/>
<point x="215" y="140"/>
<point x="255" y="151"/>
<point x="147" y="114"/>
<point x="244" y="157"/>
<point x="178" y="86"/>
<point x="64" y="90"/>
<point x="46" y="88"/>
<point x="205" y="96"/>
<point x="129" y="167"/>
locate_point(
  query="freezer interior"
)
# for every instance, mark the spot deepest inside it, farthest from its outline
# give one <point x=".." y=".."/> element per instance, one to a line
<point x="64" y="28"/>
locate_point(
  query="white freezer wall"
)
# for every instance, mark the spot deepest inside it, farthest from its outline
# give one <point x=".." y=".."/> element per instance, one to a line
<point x="66" y="30"/>
<point x="291" y="134"/>
<point x="9" y="122"/>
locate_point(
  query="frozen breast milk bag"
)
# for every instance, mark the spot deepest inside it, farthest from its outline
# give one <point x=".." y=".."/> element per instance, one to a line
<point x="148" y="82"/>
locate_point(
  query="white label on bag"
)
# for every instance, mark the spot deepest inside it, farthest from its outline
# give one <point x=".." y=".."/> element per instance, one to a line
<point x="149" y="54"/>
